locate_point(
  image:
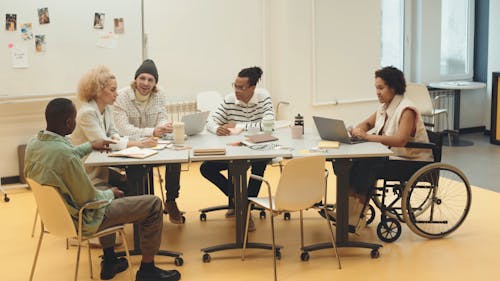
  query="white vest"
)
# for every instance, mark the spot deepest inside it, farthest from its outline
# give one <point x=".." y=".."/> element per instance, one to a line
<point x="390" y="127"/>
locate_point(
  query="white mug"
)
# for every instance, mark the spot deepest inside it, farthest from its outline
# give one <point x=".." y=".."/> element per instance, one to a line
<point x="178" y="132"/>
<point x="252" y="131"/>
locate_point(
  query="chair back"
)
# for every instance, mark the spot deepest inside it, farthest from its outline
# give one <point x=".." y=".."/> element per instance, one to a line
<point x="419" y="95"/>
<point x="52" y="210"/>
<point x="208" y="100"/>
<point x="437" y="139"/>
<point x="302" y="184"/>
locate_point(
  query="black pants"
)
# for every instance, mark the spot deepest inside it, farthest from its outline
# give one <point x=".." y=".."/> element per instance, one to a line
<point x="134" y="181"/>
<point x="211" y="170"/>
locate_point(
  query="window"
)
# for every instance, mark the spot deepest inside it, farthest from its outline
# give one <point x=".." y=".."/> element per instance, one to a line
<point x="456" y="39"/>
<point x="392" y="33"/>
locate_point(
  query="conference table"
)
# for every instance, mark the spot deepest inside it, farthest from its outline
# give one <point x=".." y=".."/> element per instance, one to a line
<point x="145" y="186"/>
<point x="239" y="159"/>
<point x="457" y="87"/>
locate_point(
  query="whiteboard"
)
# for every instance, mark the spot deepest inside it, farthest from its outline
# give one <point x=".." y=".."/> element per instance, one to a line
<point x="346" y="50"/>
<point x="71" y="45"/>
<point x="202" y="45"/>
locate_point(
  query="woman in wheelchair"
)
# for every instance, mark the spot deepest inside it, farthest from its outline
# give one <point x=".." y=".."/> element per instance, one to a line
<point x="395" y="123"/>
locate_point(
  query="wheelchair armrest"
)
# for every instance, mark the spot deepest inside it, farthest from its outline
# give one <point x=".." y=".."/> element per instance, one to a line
<point x="428" y="145"/>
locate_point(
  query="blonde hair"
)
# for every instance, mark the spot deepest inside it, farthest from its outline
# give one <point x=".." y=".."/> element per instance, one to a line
<point x="93" y="82"/>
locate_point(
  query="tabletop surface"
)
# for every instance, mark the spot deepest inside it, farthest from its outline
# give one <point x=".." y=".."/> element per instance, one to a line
<point x="457" y="85"/>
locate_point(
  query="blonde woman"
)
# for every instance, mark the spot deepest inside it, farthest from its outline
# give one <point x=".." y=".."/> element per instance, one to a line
<point x="97" y="90"/>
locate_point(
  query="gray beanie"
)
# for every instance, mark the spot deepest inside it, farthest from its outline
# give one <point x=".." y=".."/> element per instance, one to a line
<point x="148" y="66"/>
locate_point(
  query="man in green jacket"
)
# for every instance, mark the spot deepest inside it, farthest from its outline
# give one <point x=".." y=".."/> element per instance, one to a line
<point x="51" y="159"/>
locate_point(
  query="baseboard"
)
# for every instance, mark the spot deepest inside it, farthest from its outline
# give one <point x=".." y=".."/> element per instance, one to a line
<point x="471" y="130"/>
<point x="10" y="180"/>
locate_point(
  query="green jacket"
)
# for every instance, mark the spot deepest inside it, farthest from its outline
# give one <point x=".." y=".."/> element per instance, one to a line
<point x="52" y="160"/>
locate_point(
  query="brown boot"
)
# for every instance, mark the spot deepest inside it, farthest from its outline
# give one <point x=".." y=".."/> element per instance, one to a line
<point x="174" y="214"/>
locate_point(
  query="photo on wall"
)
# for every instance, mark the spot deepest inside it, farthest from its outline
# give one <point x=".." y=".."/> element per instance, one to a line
<point x="119" y="25"/>
<point x="99" y="20"/>
<point x="40" y="43"/>
<point x="27" y="31"/>
<point x="10" y="22"/>
<point x="43" y="15"/>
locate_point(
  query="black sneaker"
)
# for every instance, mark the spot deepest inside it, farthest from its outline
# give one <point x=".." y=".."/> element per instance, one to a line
<point x="157" y="274"/>
<point x="110" y="269"/>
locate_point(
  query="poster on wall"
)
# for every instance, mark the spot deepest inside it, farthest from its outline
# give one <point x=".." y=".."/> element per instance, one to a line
<point x="19" y="57"/>
<point x="40" y="43"/>
<point x="43" y="16"/>
<point x="26" y="31"/>
<point x="99" y="20"/>
<point x="11" y="22"/>
<point x="119" y="25"/>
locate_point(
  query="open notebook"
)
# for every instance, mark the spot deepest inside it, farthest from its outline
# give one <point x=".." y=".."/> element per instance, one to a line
<point x="134" y="152"/>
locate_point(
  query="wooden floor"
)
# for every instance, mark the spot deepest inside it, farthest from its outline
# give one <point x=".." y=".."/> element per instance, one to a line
<point x="467" y="254"/>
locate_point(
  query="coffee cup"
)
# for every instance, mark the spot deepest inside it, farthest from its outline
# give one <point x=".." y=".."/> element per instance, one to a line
<point x="296" y="131"/>
<point x="178" y="128"/>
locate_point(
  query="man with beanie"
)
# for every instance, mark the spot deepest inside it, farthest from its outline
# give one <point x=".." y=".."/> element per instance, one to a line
<point x="139" y="111"/>
<point x="51" y="159"/>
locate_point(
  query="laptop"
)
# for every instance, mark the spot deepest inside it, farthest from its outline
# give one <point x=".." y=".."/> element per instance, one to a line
<point x="333" y="130"/>
<point x="195" y="123"/>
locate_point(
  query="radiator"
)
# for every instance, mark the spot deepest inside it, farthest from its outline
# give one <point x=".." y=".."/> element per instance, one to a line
<point x="175" y="110"/>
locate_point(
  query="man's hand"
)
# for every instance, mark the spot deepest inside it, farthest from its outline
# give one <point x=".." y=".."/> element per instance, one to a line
<point x="101" y="144"/>
<point x="148" y="142"/>
<point x="223" y="130"/>
<point x="162" y="129"/>
<point x="118" y="193"/>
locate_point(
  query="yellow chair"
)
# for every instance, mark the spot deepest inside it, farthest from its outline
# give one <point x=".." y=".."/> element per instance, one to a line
<point x="56" y="220"/>
<point x="303" y="183"/>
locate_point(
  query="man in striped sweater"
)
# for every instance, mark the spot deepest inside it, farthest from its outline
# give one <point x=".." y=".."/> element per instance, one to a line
<point x="244" y="109"/>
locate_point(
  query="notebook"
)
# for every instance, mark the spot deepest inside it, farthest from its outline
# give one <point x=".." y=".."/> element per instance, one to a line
<point x="134" y="152"/>
<point x="261" y="138"/>
<point x="209" y="151"/>
<point x="195" y="123"/>
<point x="333" y="130"/>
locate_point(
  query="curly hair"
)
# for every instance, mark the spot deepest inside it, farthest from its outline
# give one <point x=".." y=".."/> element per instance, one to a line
<point x="393" y="78"/>
<point x="252" y="73"/>
<point x="93" y="82"/>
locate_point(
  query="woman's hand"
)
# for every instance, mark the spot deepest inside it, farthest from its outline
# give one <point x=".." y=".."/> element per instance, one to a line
<point x="358" y="133"/>
<point x="148" y="142"/>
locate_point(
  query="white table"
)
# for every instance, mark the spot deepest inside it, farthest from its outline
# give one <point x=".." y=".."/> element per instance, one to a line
<point x="163" y="157"/>
<point x="457" y="87"/>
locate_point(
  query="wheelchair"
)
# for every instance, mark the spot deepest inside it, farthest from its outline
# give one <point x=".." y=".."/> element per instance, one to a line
<point x="432" y="198"/>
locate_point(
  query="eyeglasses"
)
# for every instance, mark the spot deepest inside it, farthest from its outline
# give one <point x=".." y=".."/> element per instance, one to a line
<point x="238" y="87"/>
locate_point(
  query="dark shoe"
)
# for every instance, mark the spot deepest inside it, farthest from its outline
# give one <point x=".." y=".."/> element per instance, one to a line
<point x="157" y="274"/>
<point x="174" y="214"/>
<point x="110" y="269"/>
<point x="230" y="213"/>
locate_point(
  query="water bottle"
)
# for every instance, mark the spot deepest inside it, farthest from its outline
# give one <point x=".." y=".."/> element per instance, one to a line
<point x="268" y="124"/>
<point x="299" y="121"/>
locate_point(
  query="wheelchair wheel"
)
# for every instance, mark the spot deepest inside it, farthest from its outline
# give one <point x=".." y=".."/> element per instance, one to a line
<point x="436" y="200"/>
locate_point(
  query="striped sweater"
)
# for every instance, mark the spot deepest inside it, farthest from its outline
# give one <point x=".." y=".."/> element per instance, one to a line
<point x="245" y="115"/>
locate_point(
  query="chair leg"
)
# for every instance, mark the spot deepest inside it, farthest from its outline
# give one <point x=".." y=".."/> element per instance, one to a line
<point x="90" y="260"/>
<point x="274" y="245"/>
<point x="36" y="254"/>
<point x="34" y="223"/>
<point x="124" y="239"/>
<point x="77" y="260"/>
<point x="448" y="128"/>
<point x="301" y="230"/>
<point x="245" y="239"/>
<point x="162" y="191"/>
<point x="332" y="237"/>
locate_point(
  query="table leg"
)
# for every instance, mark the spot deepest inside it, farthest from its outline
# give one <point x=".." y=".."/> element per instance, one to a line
<point x="238" y="173"/>
<point x="342" y="168"/>
<point x="456" y="141"/>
